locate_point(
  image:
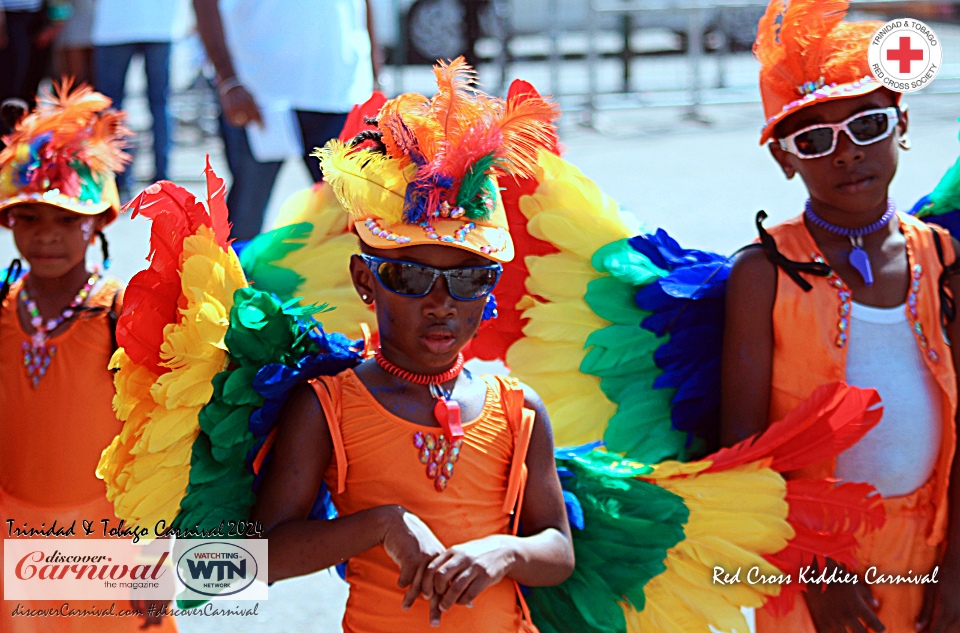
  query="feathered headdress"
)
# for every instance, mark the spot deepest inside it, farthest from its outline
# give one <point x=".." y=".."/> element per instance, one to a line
<point x="431" y="173"/>
<point x="65" y="153"/>
<point x="807" y="53"/>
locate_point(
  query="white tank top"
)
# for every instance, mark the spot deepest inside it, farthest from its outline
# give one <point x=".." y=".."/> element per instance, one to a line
<point x="899" y="454"/>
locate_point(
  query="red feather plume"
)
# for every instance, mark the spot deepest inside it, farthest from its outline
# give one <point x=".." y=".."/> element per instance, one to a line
<point x="834" y="418"/>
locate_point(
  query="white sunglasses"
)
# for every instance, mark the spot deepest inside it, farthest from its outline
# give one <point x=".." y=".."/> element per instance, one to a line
<point x="863" y="128"/>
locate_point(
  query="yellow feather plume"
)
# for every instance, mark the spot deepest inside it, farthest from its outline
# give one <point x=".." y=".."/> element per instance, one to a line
<point x="366" y="183"/>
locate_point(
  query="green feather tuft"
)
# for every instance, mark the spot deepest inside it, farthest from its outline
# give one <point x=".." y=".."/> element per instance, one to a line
<point x="261" y="256"/>
<point x="629" y="525"/>
<point x="474" y="187"/>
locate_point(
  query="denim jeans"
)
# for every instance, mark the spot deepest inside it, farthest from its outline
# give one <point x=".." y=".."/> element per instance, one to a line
<point x="111" y="64"/>
<point x="21" y="63"/>
<point x="253" y="180"/>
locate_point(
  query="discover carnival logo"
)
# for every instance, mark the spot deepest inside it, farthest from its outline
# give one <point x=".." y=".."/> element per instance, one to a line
<point x="905" y="55"/>
<point x="110" y="569"/>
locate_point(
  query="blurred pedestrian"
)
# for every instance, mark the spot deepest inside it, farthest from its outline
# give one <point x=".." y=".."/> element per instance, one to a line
<point x="73" y="49"/>
<point x="27" y="28"/>
<point x="121" y="30"/>
<point x="300" y="63"/>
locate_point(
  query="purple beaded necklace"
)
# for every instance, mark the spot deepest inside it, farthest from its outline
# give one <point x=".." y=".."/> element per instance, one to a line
<point x="858" y="257"/>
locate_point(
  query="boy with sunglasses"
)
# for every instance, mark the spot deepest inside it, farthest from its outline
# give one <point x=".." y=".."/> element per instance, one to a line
<point x="851" y="290"/>
<point x="432" y="469"/>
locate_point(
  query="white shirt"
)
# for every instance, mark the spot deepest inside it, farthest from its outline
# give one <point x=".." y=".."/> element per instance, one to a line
<point x="28" y="6"/>
<point x="899" y="454"/>
<point x="313" y="55"/>
<point x="135" y="21"/>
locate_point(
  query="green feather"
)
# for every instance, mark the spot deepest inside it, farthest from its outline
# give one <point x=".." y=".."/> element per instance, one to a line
<point x="629" y="525"/>
<point x="621" y="355"/>
<point x="474" y="186"/>
<point x="260" y="259"/>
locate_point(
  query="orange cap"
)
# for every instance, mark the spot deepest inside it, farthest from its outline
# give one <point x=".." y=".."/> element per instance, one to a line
<point x="808" y="54"/>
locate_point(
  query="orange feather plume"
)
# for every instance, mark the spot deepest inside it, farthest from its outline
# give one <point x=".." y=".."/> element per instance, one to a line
<point x="807" y="52"/>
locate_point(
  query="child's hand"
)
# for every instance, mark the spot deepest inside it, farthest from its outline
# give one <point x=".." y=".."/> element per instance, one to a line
<point x="940" y="612"/>
<point x="458" y="575"/>
<point x="411" y="545"/>
<point x="843" y="608"/>
<point x="152" y="611"/>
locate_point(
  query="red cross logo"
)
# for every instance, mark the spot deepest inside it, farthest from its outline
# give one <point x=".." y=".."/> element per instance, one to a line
<point x="905" y="55"/>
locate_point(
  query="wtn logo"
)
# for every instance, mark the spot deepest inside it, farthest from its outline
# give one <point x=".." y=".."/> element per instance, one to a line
<point x="218" y="568"/>
<point x="224" y="568"/>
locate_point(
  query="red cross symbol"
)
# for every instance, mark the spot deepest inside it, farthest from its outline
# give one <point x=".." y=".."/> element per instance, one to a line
<point x="905" y="55"/>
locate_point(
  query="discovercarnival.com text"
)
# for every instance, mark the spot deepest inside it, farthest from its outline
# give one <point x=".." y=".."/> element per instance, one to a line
<point x="66" y="610"/>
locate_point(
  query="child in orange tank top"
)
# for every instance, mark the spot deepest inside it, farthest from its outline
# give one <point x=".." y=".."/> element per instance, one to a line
<point x="788" y="330"/>
<point x="444" y="481"/>
<point x="57" y="193"/>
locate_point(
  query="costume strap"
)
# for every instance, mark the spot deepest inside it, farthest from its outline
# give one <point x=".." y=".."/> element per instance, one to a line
<point x="948" y="309"/>
<point x="792" y="268"/>
<point x="521" y="420"/>
<point x="328" y="390"/>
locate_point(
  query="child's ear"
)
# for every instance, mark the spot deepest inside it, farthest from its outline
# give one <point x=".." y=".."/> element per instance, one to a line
<point x="903" y="124"/>
<point x="363" y="279"/>
<point x="783" y="158"/>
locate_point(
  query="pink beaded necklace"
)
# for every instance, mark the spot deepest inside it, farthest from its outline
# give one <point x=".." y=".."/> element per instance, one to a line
<point x="37" y="354"/>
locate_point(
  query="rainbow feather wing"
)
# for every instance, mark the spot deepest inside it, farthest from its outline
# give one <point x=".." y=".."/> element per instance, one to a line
<point x="204" y="368"/>
<point x="165" y="377"/>
<point x="586" y="287"/>
<point x="651" y="535"/>
<point x="942" y="205"/>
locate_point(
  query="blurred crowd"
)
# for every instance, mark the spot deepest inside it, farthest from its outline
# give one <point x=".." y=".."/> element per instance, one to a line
<point x="286" y="72"/>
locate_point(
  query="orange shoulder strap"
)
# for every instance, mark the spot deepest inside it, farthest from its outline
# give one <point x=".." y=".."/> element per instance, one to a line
<point x="328" y="390"/>
<point x="521" y="420"/>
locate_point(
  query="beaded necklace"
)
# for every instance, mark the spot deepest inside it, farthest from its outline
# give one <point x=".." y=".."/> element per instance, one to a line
<point x="447" y="410"/>
<point x="37" y="354"/>
<point x="438" y="453"/>
<point x="858" y="257"/>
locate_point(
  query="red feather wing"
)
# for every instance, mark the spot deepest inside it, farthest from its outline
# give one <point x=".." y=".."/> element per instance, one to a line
<point x="217" y="203"/>
<point x="826" y="517"/>
<point x="831" y="420"/>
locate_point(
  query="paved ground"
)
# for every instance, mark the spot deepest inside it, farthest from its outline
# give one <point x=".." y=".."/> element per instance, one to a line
<point x="703" y="182"/>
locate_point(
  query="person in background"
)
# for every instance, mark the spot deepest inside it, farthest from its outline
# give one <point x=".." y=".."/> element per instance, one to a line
<point x="73" y="49"/>
<point x="313" y="58"/>
<point x="27" y="28"/>
<point x="121" y="30"/>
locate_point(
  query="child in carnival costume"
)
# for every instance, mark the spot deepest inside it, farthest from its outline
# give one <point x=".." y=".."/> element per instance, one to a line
<point x="425" y="461"/>
<point x="852" y="289"/>
<point x="57" y="323"/>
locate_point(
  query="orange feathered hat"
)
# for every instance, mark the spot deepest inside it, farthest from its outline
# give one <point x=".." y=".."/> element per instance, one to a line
<point x="434" y="177"/>
<point x="807" y="54"/>
<point x="64" y="154"/>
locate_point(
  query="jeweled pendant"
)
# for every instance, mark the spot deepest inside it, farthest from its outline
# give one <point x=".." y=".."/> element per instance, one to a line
<point x="861" y="262"/>
<point x="36" y="360"/>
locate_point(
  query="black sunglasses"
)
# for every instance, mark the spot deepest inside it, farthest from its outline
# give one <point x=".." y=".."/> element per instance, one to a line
<point x="409" y="279"/>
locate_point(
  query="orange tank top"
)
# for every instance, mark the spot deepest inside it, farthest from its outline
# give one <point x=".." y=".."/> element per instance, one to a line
<point x="810" y="331"/>
<point x="51" y="435"/>
<point x="462" y="491"/>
